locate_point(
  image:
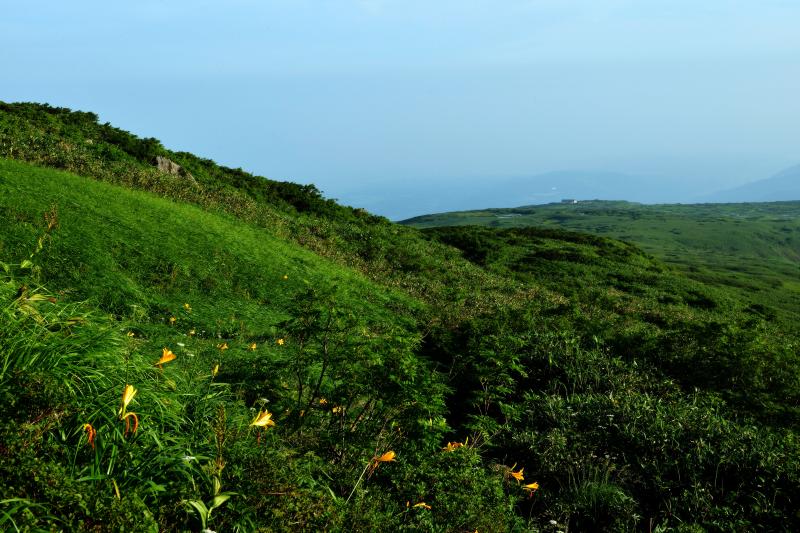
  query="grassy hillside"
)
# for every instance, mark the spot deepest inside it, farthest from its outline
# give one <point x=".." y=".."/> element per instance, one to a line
<point x="454" y="380"/>
<point x="754" y="248"/>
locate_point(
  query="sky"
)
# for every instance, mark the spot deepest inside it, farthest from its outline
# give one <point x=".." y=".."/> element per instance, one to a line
<point x="375" y="99"/>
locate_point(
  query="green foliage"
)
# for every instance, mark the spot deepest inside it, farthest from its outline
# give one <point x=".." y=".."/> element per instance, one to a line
<point x="633" y="396"/>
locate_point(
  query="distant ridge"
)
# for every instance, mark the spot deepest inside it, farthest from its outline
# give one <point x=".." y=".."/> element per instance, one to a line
<point x="783" y="186"/>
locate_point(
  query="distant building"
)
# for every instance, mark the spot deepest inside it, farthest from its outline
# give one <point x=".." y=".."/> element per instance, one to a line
<point x="569" y="201"/>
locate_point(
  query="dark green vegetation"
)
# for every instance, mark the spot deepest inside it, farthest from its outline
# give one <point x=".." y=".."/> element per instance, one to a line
<point x="752" y="248"/>
<point x="636" y="397"/>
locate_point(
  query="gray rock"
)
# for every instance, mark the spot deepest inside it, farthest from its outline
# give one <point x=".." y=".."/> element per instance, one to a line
<point x="171" y="167"/>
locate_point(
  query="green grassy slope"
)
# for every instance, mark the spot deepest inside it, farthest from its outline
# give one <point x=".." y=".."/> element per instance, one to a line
<point x="751" y="247"/>
<point x="127" y="250"/>
<point x="138" y="259"/>
<point x="634" y="396"/>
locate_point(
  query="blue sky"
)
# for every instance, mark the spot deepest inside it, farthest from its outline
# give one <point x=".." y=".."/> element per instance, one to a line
<point x="365" y="97"/>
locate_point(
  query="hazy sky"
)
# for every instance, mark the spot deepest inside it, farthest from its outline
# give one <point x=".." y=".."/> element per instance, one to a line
<point x="356" y="96"/>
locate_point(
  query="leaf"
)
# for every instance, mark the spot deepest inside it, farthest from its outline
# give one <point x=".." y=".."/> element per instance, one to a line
<point x="220" y="499"/>
<point x="202" y="510"/>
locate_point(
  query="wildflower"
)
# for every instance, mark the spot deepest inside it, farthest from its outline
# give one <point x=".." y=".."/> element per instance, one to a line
<point x="337" y="409"/>
<point x="127" y="418"/>
<point x="172" y="320"/>
<point x="252" y="347"/>
<point x="422" y="505"/>
<point x="191" y="332"/>
<point x="90" y="433"/>
<point x="187" y="307"/>
<point x="222" y="347"/>
<point x="285" y="277"/>
<point x="166" y="357"/>
<point x="127" y="395"/>
<point x="375" y="462"/>
<point x="131" y="334"/>
<point x="453" y="446"/>
<point x="263" y="419"/>
<point x="387" y="457"/>
<point x="533" y="487"/>
<point x="323" y="401"/>
<point x="280" y="342"/>
<point x="215" y="371"/>
<point x="518" y="474"/>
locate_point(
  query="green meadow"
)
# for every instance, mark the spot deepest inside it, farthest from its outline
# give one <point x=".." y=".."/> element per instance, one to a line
<point x="754" y="248"/>
<point x="212" y="350"/>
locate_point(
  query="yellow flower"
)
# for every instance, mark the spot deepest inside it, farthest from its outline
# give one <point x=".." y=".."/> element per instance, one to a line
<point x="453" y="446"/>
<point x="285" y="277"/>
<point x="222" y="347"/>
<point x="191" y="332"/>
<point x="127" y="418"/>
<point x="253" y="347"/>
<point x="386" y="457"/>
<point x="337" y="409"/>
<point x="280" y="342"/>
<point x="263" y="419"/>
<point x="323" y="401"/>
<point x="90" y="433"/>
<point x="518" y="474"/>
<point x="166" y="357"/>
<point x="172" y="319"/>
<point x="187" y="307"/>
<point x="215" y="371"/>
<point x="533" y="487"/>
<point x="131" y="334"/>
<point x="127" y="395"/>
<point x="423" y="505"/>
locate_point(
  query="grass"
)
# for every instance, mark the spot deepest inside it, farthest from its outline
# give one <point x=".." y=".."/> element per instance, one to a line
<point x="634" y="396"/>
<point x="753" y="248"/>
<point x="150" y="255"/>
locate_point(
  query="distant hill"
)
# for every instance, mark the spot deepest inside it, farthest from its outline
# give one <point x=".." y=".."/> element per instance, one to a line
<point x="753" y="247"/>
<point x="405" y="199"/>
<point x="783" y="186"/>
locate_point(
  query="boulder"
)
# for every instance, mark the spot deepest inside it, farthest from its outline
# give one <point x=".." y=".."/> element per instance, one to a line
<point x="171" y="167"/>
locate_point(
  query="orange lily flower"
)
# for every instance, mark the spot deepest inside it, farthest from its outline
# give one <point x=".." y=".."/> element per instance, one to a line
<point x="453" y="446"/>
<point x="518" y="474"/>
<point x="533" y="487"/>
<point x="90" y="433"/>
<point x="127" y="395"/>
<point x="263" y="419"/>
<point x="166" y="357"/>
<point x="386" y="457"/>
<point x="423" y="505"/>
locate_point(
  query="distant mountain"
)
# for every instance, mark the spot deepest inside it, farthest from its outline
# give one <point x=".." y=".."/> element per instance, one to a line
<point x="784" y="185"/>
<point x="406" y="199"/>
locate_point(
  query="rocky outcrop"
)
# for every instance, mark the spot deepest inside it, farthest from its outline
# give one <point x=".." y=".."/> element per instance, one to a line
<point x="171" y="167"/>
